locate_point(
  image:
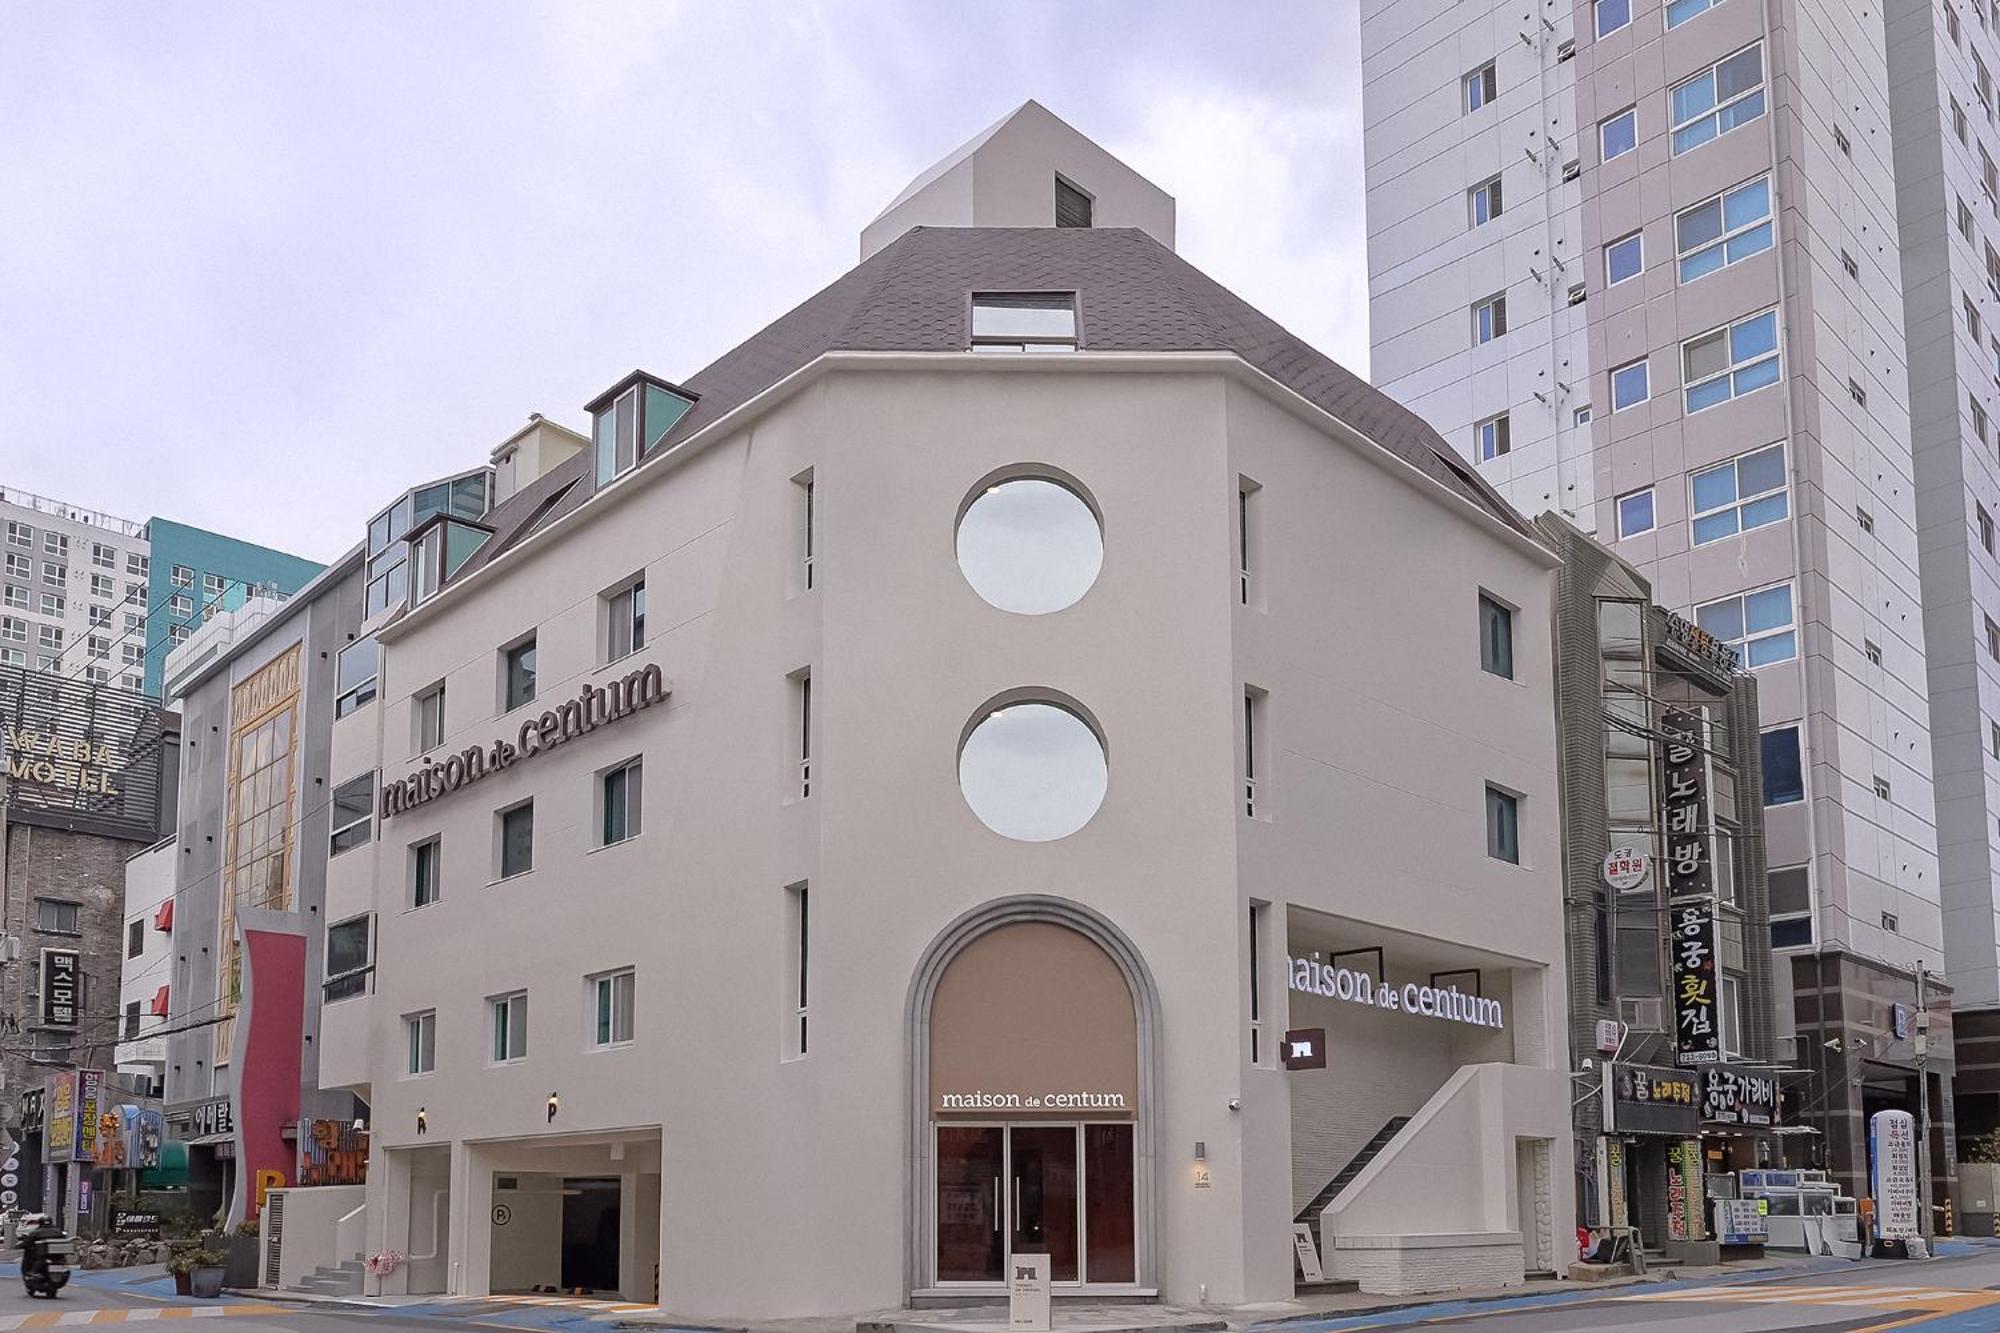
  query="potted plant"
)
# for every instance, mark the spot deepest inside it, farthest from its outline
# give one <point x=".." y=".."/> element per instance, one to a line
<point x="240" y="1255"/>
<point x="196" y="1268"/>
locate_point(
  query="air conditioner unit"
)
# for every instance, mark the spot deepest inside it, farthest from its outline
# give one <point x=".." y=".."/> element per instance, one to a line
<point x="1642" y="1015"/>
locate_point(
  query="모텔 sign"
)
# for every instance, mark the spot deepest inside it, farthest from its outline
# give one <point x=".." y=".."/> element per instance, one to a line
<point x="594" y="706"/>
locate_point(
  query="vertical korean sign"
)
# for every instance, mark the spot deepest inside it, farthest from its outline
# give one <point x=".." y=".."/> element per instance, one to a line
<point x="1685" y="1195"/>
<point x="1892" y="1169"/>
<point x="62" y="987"/>
<point x="1690" y="875"/>
<point x="89" y="1092"/>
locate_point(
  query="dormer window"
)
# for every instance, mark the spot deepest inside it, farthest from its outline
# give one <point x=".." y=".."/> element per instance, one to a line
<point x="1072" y="205"/>
<point x="438" y="546"/>
<point x="632" y="416"/>
<point x="1024" y="321"/>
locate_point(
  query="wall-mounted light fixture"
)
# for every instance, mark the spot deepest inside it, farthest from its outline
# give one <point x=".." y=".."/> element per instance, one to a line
<point x="423" y="1121"/>
<point x="555" y="1104"/>
<point x="1200" y="1151"/>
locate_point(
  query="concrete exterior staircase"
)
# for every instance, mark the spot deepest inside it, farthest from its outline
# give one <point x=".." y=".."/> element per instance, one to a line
<point x="343" y="1279"/>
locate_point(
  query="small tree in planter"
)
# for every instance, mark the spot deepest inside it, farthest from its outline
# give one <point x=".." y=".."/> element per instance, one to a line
<point x="196" y="1272"/>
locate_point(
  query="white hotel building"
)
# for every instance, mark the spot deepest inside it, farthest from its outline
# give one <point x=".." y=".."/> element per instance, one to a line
<point x="1021" y="717"/>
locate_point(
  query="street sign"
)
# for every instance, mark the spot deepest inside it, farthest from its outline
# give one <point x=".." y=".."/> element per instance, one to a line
<point x="1626" y="867"/>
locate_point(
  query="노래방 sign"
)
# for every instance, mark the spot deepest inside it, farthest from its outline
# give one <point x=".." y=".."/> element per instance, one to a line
<point x="1649" y="1099"/>
<point x="1685" y="1207"/>
<point x="594" y="706"/>
<point x="1684" y="812"/>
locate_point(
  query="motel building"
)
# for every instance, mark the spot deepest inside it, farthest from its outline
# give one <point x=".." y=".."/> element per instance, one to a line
<point x="1022" y="755"/>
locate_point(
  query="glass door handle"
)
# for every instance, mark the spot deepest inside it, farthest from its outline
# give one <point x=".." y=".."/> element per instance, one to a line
<point x="996" y="1205"/>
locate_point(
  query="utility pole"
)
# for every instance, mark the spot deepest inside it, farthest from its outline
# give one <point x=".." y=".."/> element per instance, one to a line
<point x="1923" y="1044"/>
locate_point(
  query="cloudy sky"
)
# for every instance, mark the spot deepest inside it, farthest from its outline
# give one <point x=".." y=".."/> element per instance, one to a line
<point x="263" y="266"/>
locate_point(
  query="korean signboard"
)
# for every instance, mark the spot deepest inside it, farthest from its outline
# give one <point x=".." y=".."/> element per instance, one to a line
<point x="1892" y="1173"/>
<point x="1732" y="1098"/>
<point x="1685" y="1205"/>
<point x="1684" y="814"/>
<point x="59" y="1126"/>
<point x="1691" y="944"/>
<point x="207" y="1118"/>
<point x="89" y="1091"/>
<point x="62" y="987"/>
<point x="79" y="755"/>
<point x="332" y="1152"/>
<point x="1644" y="1099"/>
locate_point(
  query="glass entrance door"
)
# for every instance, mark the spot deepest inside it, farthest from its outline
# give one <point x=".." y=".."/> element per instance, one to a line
<point x="1044" y="1212"/>
<point x="971" y="1163"/>
<point x="1066" y="1191"/>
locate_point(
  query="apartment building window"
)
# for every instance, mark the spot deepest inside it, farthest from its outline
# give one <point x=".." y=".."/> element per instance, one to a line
<point x="1073" y="206"/>
<point x="1628" y="385"/>
<point x="131" y="1020"/>
<point x="802" y="709"/>
<point x="1857" y="393"/>
<point x="1481" y="86"/>
<point x="1737" y="496"/>
<point x="130" y="682"/>
<point x="1964" y="216"/>
<point x="1496" y="637"/>
<point x="1872" y="651"/>
<point x="1730" y="362"/>
<point x="1784" y="769"/>
<point x="99" y="646"/>
<point x="54" y="575"/>
<point x="1985" y="521"/>
<point x="353" y="818"/>
<point x="20" y="534"/>
<point x="510" y="1027"/>
<point x="1848" y="263"/>
<point x="1618" y="135"/>
<point x="1581" y="416"/>
<point x="133" y="620"/>
<point x="97" y="675"/>
<point x="138" y="565"/>
<point x="348" y="960"/>
<point x="135" y="937"/>
<point x="211" y="586"/>
<point x="619" y="790"/>
<point x="1493" y="437"/>
<point x="1503" y="825"/>
<point x="104" y="557"/>
<point x="798" y="950"/>
<point x="1951" y="24"/>
<point x="625" y="620"/>
<point x="180" y="605"/>
<point x="13" y="627"/>
<point x="515" y="832"/>
<point x="1882" y="788"/>
<point x="182" y="576"/>
<point x="1970" y="309"/>
<point x="1483" y="202"/>
<point x="52" y="637"/>
<point x="1984" y="82"/>
<point x="1978" y="413"/>
<point x="1758" y="625"/>
<point x="1489" y="319"/>
<point x="55" y="543"/>
<point x="1024" y="321"/>
<point x="1993" y="738"/>
<point x="420" y="1034"/>
<point x="1840" y="142"/>
<point x="20" y="566"/>
<point x="1680" y="11"/>
<point x="1891" y="923"/>
<point x="51" y="1046"/>
<point x="354" y="675"/>
<point x="1624" y="258"/>
<point x="1992" y="639"/>
<point x="135" y="594"/>
<point x="1611" y="15"/>
<point x="53" y="603"/>
<point x="17" y="597"/>
<point x="612" y="995"/>
<point x="425" y="858"/>
<point x="1726" y="95"/>
<point x="101" y="585"/>
<point x="1958" y="127"/>
<point x="517" y="675"/>
<point x="1254" y="966"/>
<point x="55" y="917"/>
<point x="179" y="634"/>
<point x="430" y="718"/>
<point x="13" y="657"/>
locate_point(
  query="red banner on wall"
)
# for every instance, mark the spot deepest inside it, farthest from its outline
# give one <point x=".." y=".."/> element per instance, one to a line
<point x="270" y="1029"/>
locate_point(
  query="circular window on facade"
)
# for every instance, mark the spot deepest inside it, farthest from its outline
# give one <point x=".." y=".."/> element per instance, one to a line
<point x="1032" y="770"/>
<point x="1030" y="545"/>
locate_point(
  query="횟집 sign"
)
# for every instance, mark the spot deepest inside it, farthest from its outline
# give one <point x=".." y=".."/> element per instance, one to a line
<point x="1691" y="943"/>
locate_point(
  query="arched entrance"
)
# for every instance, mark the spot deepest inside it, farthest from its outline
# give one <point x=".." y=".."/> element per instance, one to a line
<point x="1033" y="1026"/>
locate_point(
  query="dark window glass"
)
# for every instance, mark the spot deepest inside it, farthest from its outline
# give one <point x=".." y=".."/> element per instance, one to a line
<point x="621" y="802"/>
<point x="131" y="1019"/>
<point x="1107" y="1204"/>
<point x="520" y="670"/>
<point x="1072" y="205"/>
<point x="1791" y="891"/>
<point x="1784" y="776"/>
<point x="353" y="813"/>
<point x="1503" y="826"/>
<point x="347" y="958"/>
<point x="1792" y="933"/>
<point x="517" y="840"/>
<point x="1496" y="638"/>
<point x="135" y="938"/>
<point x="424" y="874"/>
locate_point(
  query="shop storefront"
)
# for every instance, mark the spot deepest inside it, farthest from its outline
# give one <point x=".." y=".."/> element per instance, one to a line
<point x="1650" y="1172"/>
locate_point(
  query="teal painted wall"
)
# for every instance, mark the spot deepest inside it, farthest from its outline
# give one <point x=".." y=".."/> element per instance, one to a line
<point x="240" y="565"/>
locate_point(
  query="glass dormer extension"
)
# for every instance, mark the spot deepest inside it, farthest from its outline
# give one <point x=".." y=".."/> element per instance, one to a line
<point x="632" y="416"/>
<point x="461" y="497"/>
<point x="438" y="547"/>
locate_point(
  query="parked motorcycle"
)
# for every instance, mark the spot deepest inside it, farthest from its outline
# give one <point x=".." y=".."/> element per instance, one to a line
<point x="47" y="1252"/>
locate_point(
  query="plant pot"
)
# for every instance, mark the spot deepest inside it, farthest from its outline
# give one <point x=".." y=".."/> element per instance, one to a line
<point x="239" y="1269"/>
<point x="205" y="1283"/>
<point x="183" y="1284"/>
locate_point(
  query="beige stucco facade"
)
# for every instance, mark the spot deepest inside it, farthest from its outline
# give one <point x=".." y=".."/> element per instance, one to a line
<point x="770" y="1183"/>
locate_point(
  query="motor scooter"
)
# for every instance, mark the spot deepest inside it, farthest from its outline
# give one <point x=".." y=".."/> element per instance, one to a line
<point x="46" y="1255"/>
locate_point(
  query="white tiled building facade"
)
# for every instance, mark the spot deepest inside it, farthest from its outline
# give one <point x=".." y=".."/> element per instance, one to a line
<point x="72" y="590"/>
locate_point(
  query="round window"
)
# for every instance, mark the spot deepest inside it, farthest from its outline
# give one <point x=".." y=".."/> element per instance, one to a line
<point x="1030" y="545"/>
<point x="1033" y="771"/>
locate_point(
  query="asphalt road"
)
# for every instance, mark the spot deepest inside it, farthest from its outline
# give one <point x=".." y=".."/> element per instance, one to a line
<point x="1951" y="1295"/>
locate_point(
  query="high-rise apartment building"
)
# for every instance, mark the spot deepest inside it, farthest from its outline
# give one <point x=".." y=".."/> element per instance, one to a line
<point x="1643" y="264"/>
<point x="104" y="599"/>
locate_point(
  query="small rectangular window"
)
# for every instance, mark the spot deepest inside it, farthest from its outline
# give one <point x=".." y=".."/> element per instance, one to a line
<point x="1611" y="15"/>
<point x="354" y="675"/>
<point x="353" y="819"/>
<point x="1624" y="258"/>
<point x="1985" y="521"/>
<point x="1863" y="519"/>
<point x="1249" y="537"/>
<point x="54" y="917"/>
<point x="349" y="960"/>
<point x="1635" y="513"/>
<point x="1481" y="86"/>
<point x="1993" y="738"/>
<point x="1680" y="11"/>
<point x="1882" y="788"/>
<point x="1628" y="385"/>
<point x="424" y="868"/>
<point x="1857" y="393"/>
<point x="1618" y="135"/>
<point x="802" y="555"/>
<point x="516" y="834"/>
<point x="1848" y="263"/>
<point x="1581" y="416"/>
<point x="1740" y="495"/>
<point x="1024" y="322"/>
<point x="1784" y="769"/>
<point x="1483" y="202"/>
<point x="517" y="675"/>
<point x="798" y="949"/>
<point x="1980" y="424"/>
<point x="620" y="789"/>
<point x="1255" y="801"/>
<point x="1723" y="97"/>
<point x="1073" y="206"/>
<point x="1992" y="639"/>
<point x="1760" y="626"/>
<point x="625" y="620"/>
<point x="1840" y="142"/>
<point x="420" y="1033"/>
<point x="131" y="1020"/>
<point x="1496" y="638"/>
<point x="1489" y="319"/>
<point x="1872" y="651"/>
<point x="802" y="711"/>
<point x="1493" y="437"/>
<point x="612" y="997"/>
<point x="1730" y="362"/>
<point x="135" y="937"/>
<point x="1503" y="826"/>
<point x="1891" y="923"/>
<point x="510" y="1027"/>
<point x="1724" y="230"/>
<point x="429" y="707"/>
